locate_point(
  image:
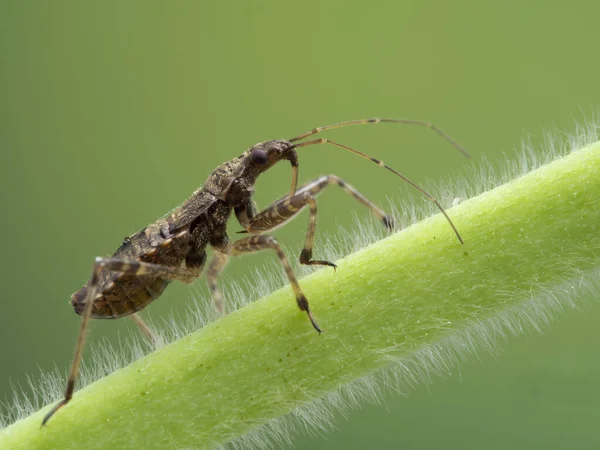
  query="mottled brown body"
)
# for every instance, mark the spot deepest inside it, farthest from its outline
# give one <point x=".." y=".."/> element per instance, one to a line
<point x="174" y="247"/>
<point x="124" y="294"/>
<point x="177" y="240"/>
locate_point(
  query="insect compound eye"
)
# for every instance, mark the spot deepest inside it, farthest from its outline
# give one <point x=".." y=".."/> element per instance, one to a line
<point x="259" y="157"/>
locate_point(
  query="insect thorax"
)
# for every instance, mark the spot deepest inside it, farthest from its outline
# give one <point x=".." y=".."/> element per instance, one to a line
<point x="232" y="182"/>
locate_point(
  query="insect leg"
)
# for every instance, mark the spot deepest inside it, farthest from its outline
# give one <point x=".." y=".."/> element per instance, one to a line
<point x="285" y="208"/>
<point x="261" y="242"/>
<point x="134" y="267"/>
<point x="121" y="266"/>
<point x="217" y="264"/>
<point x="145" y="329"/>
<point x="74" y="372"/>
<point x="385" y="166"/>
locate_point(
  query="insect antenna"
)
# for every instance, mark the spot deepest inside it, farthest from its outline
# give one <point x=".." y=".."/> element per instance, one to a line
<point x="375" y="121"/>
<point x="379" y="162"/>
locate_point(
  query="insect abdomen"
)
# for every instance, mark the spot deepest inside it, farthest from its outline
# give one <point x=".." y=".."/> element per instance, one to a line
<point x="122" y="294"/>
<point x="122" y="297"/>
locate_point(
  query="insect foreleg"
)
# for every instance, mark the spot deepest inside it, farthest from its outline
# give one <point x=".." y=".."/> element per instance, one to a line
<point x="246" y="212"/>
<point x="385" y="166"/>
<point x="286" y="208"/>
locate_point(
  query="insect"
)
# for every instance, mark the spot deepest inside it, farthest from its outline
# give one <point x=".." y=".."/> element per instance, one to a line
<point x="174" y="247"/>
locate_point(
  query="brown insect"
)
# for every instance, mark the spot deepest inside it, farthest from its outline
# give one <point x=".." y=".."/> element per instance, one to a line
<point x="174" y="247"/>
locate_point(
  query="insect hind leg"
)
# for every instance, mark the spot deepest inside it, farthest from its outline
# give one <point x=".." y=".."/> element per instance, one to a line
<point x="121" y="266"/>
<point x="134" y="267"/>
<point x="143" y="327"/>
<point x="74" y="371"/>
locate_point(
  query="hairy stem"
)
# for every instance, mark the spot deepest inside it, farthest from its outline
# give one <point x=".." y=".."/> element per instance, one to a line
<point x="393" y="298"/>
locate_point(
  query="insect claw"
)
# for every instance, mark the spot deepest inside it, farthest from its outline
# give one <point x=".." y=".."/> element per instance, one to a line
<point x="314" y="322"/>
<point x="52" y="411"/>
<point x="324" y="263"/>
<point x="242" y="232"/>
<point x="389" y="223"/>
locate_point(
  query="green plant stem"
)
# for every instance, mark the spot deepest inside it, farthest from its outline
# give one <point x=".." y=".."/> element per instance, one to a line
<point x="394" y="297"/>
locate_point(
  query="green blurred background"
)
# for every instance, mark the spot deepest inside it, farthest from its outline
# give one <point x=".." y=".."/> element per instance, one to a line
<point x="111" y="113"/>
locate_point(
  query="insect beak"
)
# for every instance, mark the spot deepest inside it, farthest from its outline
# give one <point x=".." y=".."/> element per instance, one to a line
<point x="293" y="159"/>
